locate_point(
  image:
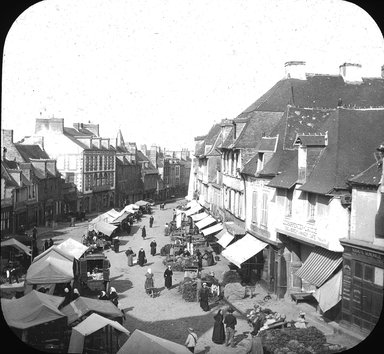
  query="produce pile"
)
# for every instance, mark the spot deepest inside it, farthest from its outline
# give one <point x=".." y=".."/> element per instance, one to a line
<point x="230" y="277"/>
<point x="165" y="250"/>
<point x="297" y="340"/>
<point x="188" y="290"/>
<point x="181" y="263"/>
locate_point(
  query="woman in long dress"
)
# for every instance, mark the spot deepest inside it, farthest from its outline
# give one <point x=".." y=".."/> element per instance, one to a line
<point x="153" y="246"/>
<point x="218" y="335"/>
<point x="141" y="257"/>
<point x="203" y="297"/>
<point x="168" y="277"/>
<point x="149" y="283"/>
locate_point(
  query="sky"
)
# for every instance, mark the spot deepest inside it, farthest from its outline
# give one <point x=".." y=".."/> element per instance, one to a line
<point x="165" y="71"/>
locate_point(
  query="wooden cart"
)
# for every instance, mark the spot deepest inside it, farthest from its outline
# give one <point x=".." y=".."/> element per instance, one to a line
<point x="94" y="271"/>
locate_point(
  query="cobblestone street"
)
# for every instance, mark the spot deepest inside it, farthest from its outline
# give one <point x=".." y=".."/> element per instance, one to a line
<point x="168" y="315"/>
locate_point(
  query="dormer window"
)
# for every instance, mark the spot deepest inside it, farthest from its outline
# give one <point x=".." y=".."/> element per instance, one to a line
<point x="260" y="161"/>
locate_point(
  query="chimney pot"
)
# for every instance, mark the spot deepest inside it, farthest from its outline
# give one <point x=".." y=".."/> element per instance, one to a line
<point x="351" y="72"/>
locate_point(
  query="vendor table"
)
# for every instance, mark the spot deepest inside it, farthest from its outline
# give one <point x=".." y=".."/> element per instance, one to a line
<point x="302" y="296"/>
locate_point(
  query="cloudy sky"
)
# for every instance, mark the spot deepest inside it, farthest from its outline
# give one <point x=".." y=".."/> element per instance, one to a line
<point x="165" y="71"/>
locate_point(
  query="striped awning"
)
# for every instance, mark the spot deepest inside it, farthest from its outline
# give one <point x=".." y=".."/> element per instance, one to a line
<point x="225" y="240"/>
<point x="206" y="222"/>
<point x="319" y="266"/>
<point x="199" y="216"/>
<point x="212" y="229"/>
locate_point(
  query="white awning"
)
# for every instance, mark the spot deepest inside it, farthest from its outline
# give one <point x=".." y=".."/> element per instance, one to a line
<point x="225" y="239"/>
<point x="206" y="222"/>
<point x="199" y="216"/>
<point x="329" y="294"/>
<point x="193" y="210"/>
<point x="212" y="229"/>
<point x="243" y="249"/>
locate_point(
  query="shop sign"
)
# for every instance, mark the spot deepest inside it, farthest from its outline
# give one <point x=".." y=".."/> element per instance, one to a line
<point x="360" y="252"/>
<point x="302" y="230"/>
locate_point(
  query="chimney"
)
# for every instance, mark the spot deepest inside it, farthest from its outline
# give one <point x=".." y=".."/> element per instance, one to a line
<point x="295" y="70"/>
<point x="4" y="153"/>
<point x="53" y="125"/>
<point x="350" y="72"/>
<point x="382" y="71"/>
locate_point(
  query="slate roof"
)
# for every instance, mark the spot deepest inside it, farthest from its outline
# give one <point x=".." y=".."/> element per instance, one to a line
<point x="293" y="122"/>
<point x="370" y="177"/>
<point x="258" y="125"/>
<point x="353" y="136"/>
<point x="268" y="143"/>
<point x="322" y="91"/>
<point x="9" y="181"/>
<point x="208" y="145"/>
<point x="142" y="158"/>
<point x="287" y="179"/>
<point x="28" y="152"/>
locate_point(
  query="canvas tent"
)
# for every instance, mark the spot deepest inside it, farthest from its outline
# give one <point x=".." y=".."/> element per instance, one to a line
<point x="90" y="325"/>
<point x="83" y="306"/>
<point x="144" y="343"/>
<point x="103" y="227"/>
<point x="31" y="310"/>
<point x="16" y="244"/>
<point x="51" y="267"/>
<point x="141" y="203"/>
<point x="72" y="247"/>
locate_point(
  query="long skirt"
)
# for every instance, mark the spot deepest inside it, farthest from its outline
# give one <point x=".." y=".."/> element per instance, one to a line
<point x="218" y="335"/>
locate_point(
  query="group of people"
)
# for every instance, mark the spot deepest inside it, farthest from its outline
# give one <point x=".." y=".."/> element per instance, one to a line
<point x="111" y="296"/>
<point x="149" y="284"/>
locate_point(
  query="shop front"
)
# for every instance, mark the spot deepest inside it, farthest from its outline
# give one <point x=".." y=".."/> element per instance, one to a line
<point x="362" y="285"/>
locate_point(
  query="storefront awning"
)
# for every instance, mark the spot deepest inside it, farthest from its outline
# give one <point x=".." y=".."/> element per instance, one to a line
<point x="212" y="229"/>
<point x="243" y="249"/>
<point x="319" y="265"/>
<point x="225" y="240"/>
<point x="195" y="209"/>
<point x="329" y="294"/>
<point x="205" y="222"/>
<point x="198" y="217"/>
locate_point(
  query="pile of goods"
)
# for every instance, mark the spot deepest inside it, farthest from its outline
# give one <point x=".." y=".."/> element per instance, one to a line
<point x="297" y="340"/>
<point x="188" y="290"/>
<point x="181" y="263"/>
<point x="165" y="250"/>
<point x="232" y="276"/>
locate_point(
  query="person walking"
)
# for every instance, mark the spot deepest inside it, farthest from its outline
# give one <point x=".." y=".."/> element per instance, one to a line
<point x="203" y="297"/>
<point x="113" y="297"/>
<point x="153" y="246"/>
<point x="46" y="245"/>
<point x="168" y="277"/>
<point x="130" y="254"/>
<point x="149" y="282"/>
<point x="116" y="244"/>
<point x="151" y="220"/>
<point x="191" y="340"/>
<point x="143" y="232"/>
<point x="218" y="335"/>
<point x="141" y="257"/>
<point x="230" y="325"/>
<point x="51" y="243"/>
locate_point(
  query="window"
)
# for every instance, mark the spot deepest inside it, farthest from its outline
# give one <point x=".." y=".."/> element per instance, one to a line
<point x="264" y="210"/>
<point x="260" y="161"/>
<point x="369" y="273"/>
<point x="358" y="271"/>
<point x="311" y="206"/>
<point x="70" y="177"/>
<point x="254" y="207"/>
<point x="288" y="205"/>
<point x="177" y="171"/>
<point x="100" y="162"/>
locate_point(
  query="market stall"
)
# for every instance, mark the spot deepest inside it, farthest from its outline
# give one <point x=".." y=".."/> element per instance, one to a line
<point x="96" y="333"/>
<point x="30" y="317"/>
<point x="82" y="307"/>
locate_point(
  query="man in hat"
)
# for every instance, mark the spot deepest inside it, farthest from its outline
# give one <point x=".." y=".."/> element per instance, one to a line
<point x="301" y="322"/>
<point x="230" y="324"/>
<point x="191" y="340"/>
